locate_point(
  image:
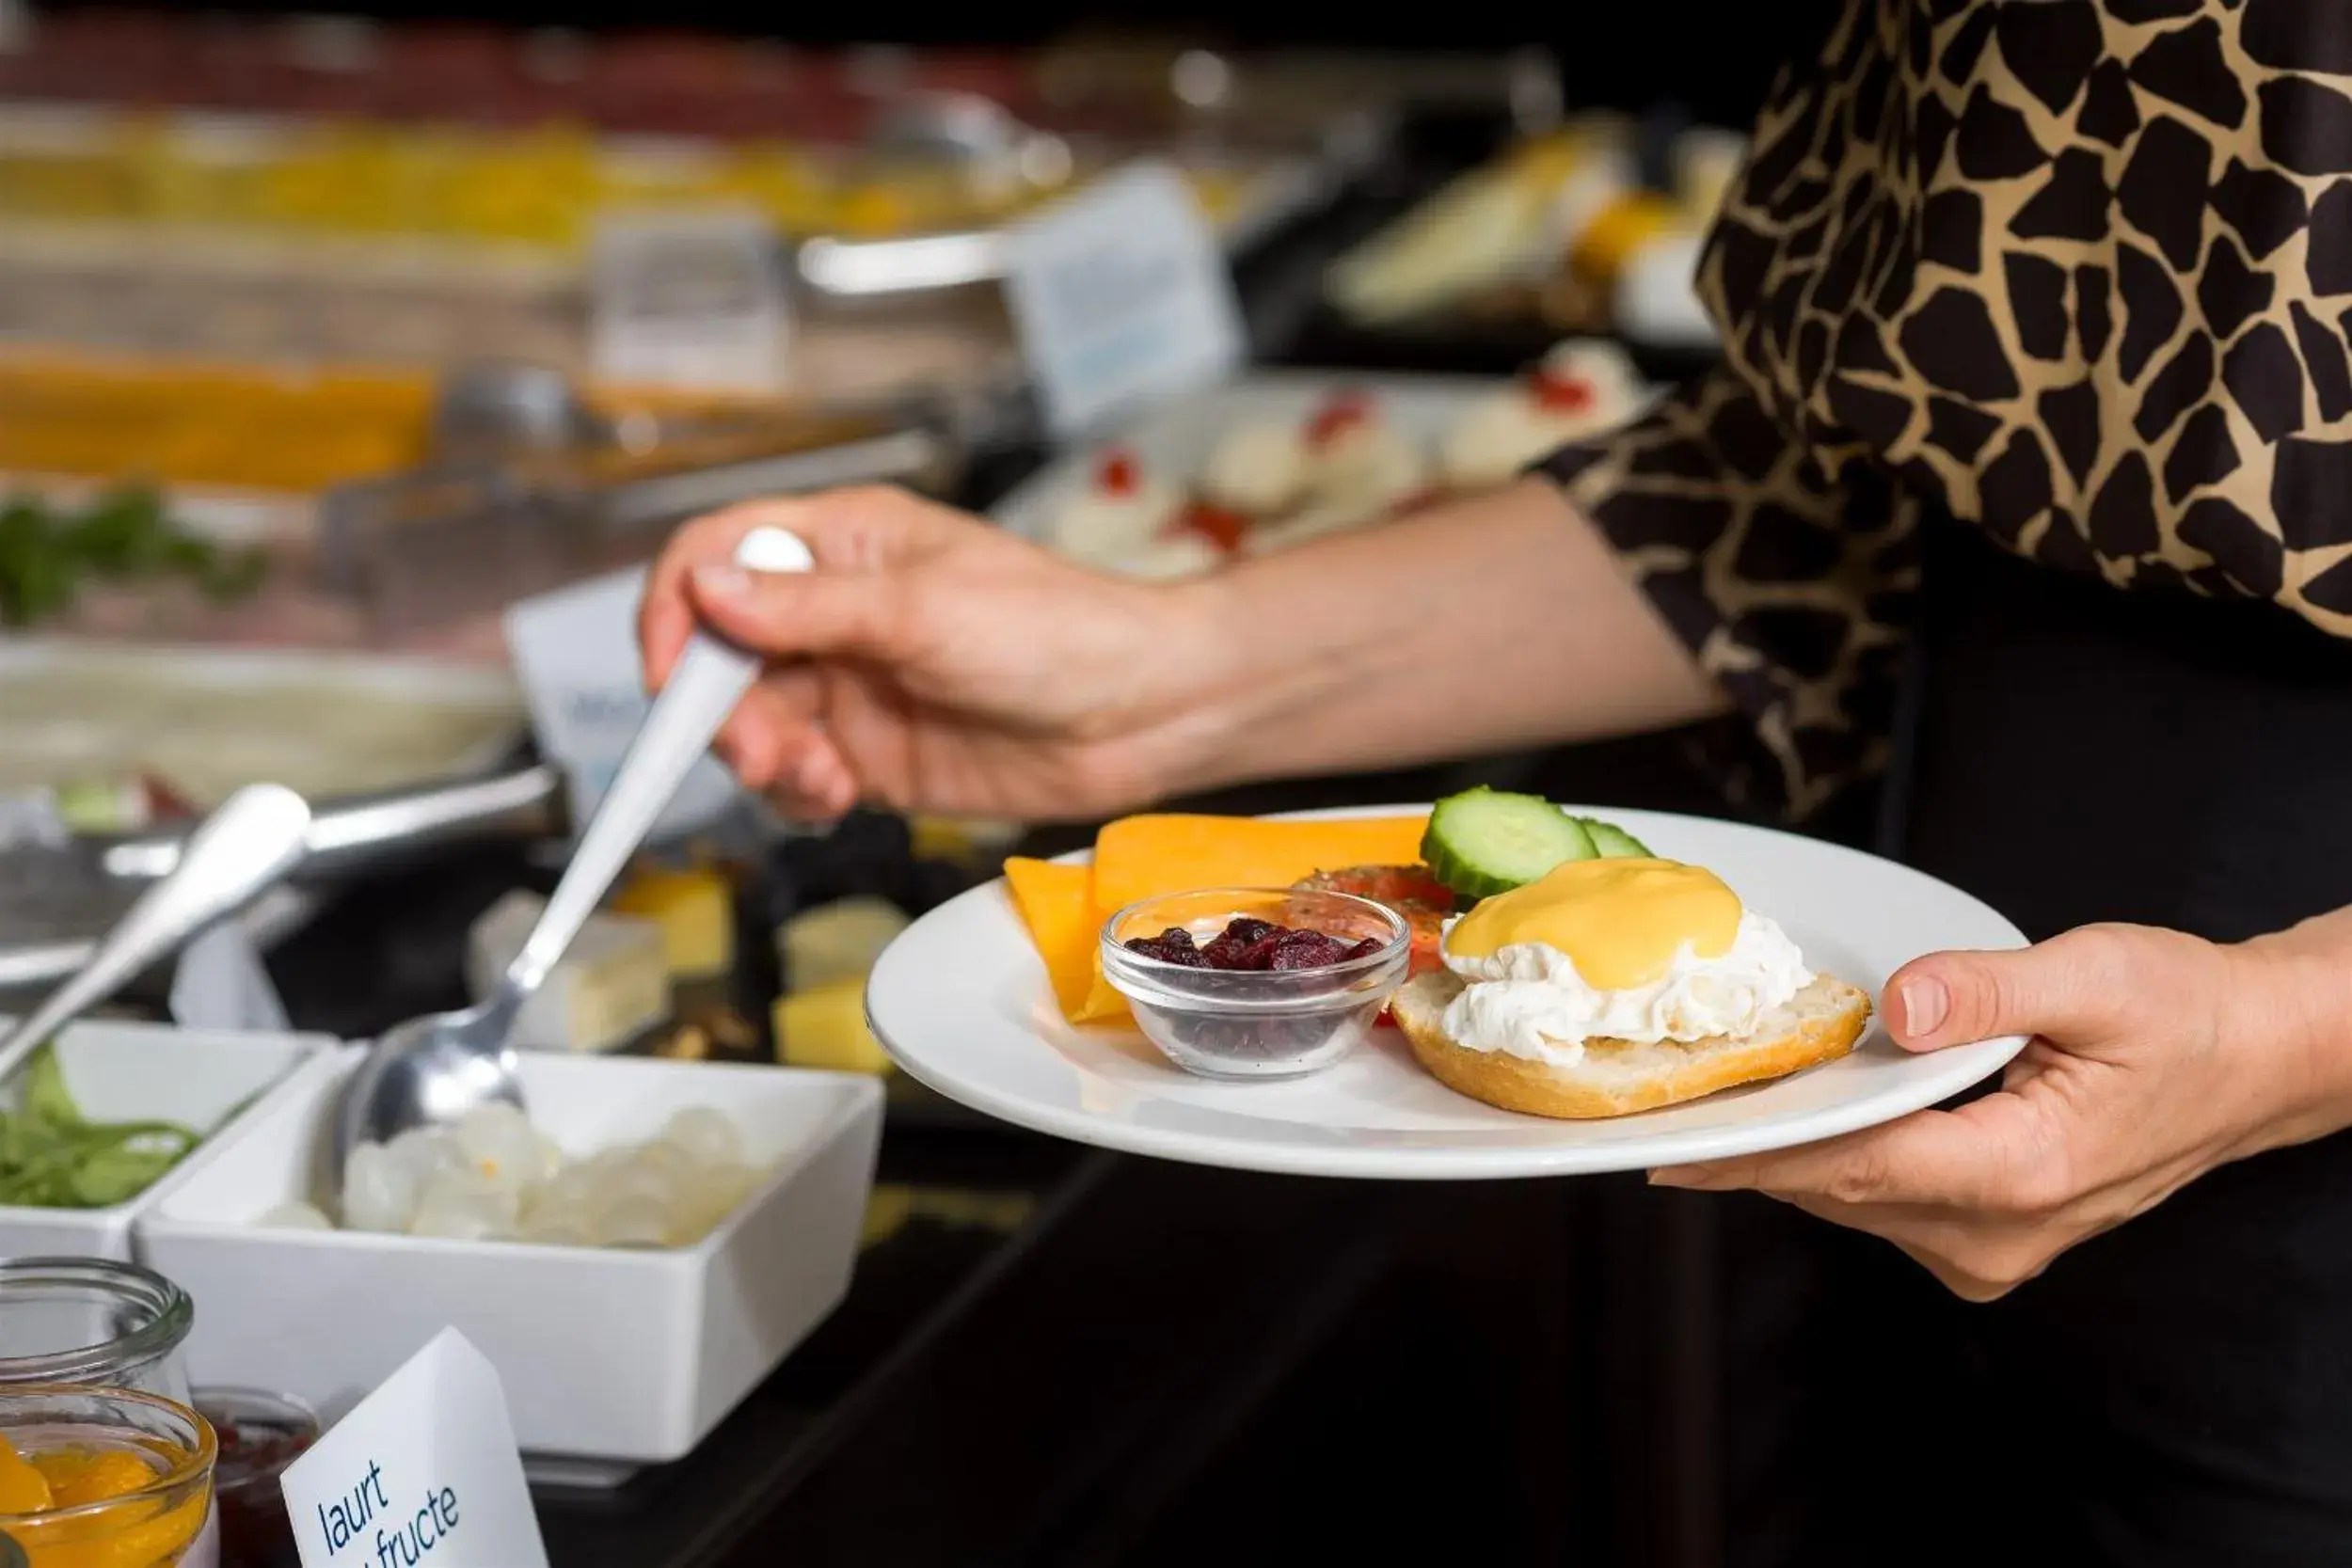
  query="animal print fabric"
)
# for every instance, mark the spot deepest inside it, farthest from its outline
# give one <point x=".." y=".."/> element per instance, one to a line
<point x="2078" y="272"/>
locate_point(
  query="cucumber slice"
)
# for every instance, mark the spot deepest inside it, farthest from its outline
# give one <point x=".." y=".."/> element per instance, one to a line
<point x="1484" y="841"/>
<point x="1614" y="842"/>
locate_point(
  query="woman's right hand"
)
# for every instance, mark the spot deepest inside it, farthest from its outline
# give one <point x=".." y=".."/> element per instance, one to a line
<point x="930" y="663"/>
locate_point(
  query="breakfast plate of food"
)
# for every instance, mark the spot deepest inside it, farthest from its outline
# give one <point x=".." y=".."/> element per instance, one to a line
<point x="1495" y="985"/>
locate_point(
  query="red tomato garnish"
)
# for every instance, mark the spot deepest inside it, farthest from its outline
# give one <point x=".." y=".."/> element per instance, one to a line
<point x="1219" y="527"/>
<point x="1562" y="395"/>
<point x="1341" y="414"/>
<point x="1119" y="474"/>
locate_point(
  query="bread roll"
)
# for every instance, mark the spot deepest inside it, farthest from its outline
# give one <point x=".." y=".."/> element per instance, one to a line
<point x="1617" y="1078"/>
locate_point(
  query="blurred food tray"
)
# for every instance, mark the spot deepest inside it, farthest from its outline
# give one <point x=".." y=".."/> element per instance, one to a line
<point x="210" y="720"/>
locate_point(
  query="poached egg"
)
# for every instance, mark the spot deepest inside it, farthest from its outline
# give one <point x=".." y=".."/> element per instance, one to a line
<point x="1625" y="948"/>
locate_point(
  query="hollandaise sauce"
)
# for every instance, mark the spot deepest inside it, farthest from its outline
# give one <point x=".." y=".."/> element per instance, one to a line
<point x="1620" y="921"/>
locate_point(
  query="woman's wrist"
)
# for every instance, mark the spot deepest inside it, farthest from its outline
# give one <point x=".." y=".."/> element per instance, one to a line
<point x="1227" y="664"/>
<point x="2290" y="1007"/>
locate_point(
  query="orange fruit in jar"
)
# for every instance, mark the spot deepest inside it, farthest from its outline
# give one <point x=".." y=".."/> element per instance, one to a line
<point x="23" y="1489"/>
<point x="141" y="1533"/>
<point x="101" y="1476"/>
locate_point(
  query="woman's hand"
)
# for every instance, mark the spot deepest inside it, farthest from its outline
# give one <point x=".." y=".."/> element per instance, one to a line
<point x="930" y="663"/>
<point x="2154" y="1057"/>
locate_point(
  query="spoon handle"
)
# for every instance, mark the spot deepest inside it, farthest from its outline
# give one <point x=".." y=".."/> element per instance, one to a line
<point x="710" y="678"/>
<point x="236" y="853"/>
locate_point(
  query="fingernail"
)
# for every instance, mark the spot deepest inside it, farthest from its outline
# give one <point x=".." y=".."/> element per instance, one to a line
<point x="1675" y="1176"/>
<point x="724" y="581"/>
<point x="1925" y="1003"/>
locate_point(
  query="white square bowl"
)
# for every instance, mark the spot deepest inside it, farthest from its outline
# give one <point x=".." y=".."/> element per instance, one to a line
<point x="212" y="1081"/>
<point x="606" y="1355"/>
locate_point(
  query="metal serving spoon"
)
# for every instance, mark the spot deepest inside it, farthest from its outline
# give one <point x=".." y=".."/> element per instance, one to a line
<point x="432" y="1071"/>
<point x="236" y="854"/>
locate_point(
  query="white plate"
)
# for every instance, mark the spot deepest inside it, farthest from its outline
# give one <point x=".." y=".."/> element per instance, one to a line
<point x="961" y="1001"/>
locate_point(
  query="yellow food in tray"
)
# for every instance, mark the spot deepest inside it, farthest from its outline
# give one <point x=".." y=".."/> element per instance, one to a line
<point x="540" y="186"/>
<point x="233" y="426"/>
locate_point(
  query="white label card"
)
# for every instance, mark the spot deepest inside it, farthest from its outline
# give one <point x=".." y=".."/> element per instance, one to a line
<point x="574" y="651"/>
<point x="1122" y="296"/>
<point x="221" y="984"/>
<point x="694" y="298"/>
<point x="424" y="1470"/>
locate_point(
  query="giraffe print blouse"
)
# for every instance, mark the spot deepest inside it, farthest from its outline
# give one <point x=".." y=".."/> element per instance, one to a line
<point x="2077" y="271"/>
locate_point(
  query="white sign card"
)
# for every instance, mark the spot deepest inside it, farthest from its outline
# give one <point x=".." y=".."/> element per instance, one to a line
<point x="695" y="298"/>
<point x="221" y="984"/>
<point x="424" y="1470"/>
<point x="1122" y="296"/>
<point x="574" y="651"/>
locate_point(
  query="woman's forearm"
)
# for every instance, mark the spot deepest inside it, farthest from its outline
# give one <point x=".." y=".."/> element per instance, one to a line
<point x="1476" y="626"/>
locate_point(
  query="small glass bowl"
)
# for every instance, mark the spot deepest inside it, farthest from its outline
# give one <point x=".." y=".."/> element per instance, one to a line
<point x="1257" y="1024"/>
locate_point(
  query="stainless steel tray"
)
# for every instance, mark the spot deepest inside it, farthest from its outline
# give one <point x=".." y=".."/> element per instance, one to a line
<point x="57" y="900"/>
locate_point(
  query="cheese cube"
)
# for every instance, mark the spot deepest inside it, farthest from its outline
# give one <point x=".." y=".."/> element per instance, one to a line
<point x="837" y="941"/>
<point x="611" y="985"/>
<point x="825" y="1027"/>
<point x="695" y="911"/>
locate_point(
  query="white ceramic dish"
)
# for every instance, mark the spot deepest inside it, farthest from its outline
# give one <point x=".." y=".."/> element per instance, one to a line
<point x="961" y="1001"/>
<point x="216" y="1082"/>
<point x="613" y="1357"/>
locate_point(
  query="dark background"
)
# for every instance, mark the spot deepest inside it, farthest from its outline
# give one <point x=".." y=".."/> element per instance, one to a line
<point x="1714" y="58"/>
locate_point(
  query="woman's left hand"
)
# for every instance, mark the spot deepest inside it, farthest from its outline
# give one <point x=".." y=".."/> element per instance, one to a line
<point x="2154" y="1057"/>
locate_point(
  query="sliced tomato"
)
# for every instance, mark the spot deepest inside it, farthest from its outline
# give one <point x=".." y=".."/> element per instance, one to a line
<point x="1410" y="890"/>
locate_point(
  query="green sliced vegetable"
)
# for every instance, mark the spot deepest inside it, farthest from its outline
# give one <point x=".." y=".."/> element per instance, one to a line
<point x="1484" y="841"/>
<point x="1613" y="841"/>
<point x="47" y="553"/>
<point x="46" y="1098"/>
<point x="53" y="1157"/>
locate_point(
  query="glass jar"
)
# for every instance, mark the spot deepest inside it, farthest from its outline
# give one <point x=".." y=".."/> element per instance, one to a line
<point x="166" y="1522"/>
<point x="86" y="1320"/>
<point x="259" y="1433"/>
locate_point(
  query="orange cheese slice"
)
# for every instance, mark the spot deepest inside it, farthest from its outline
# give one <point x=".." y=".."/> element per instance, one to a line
<point x="1145" y="857"/>
<point x="1056" y="904"/>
